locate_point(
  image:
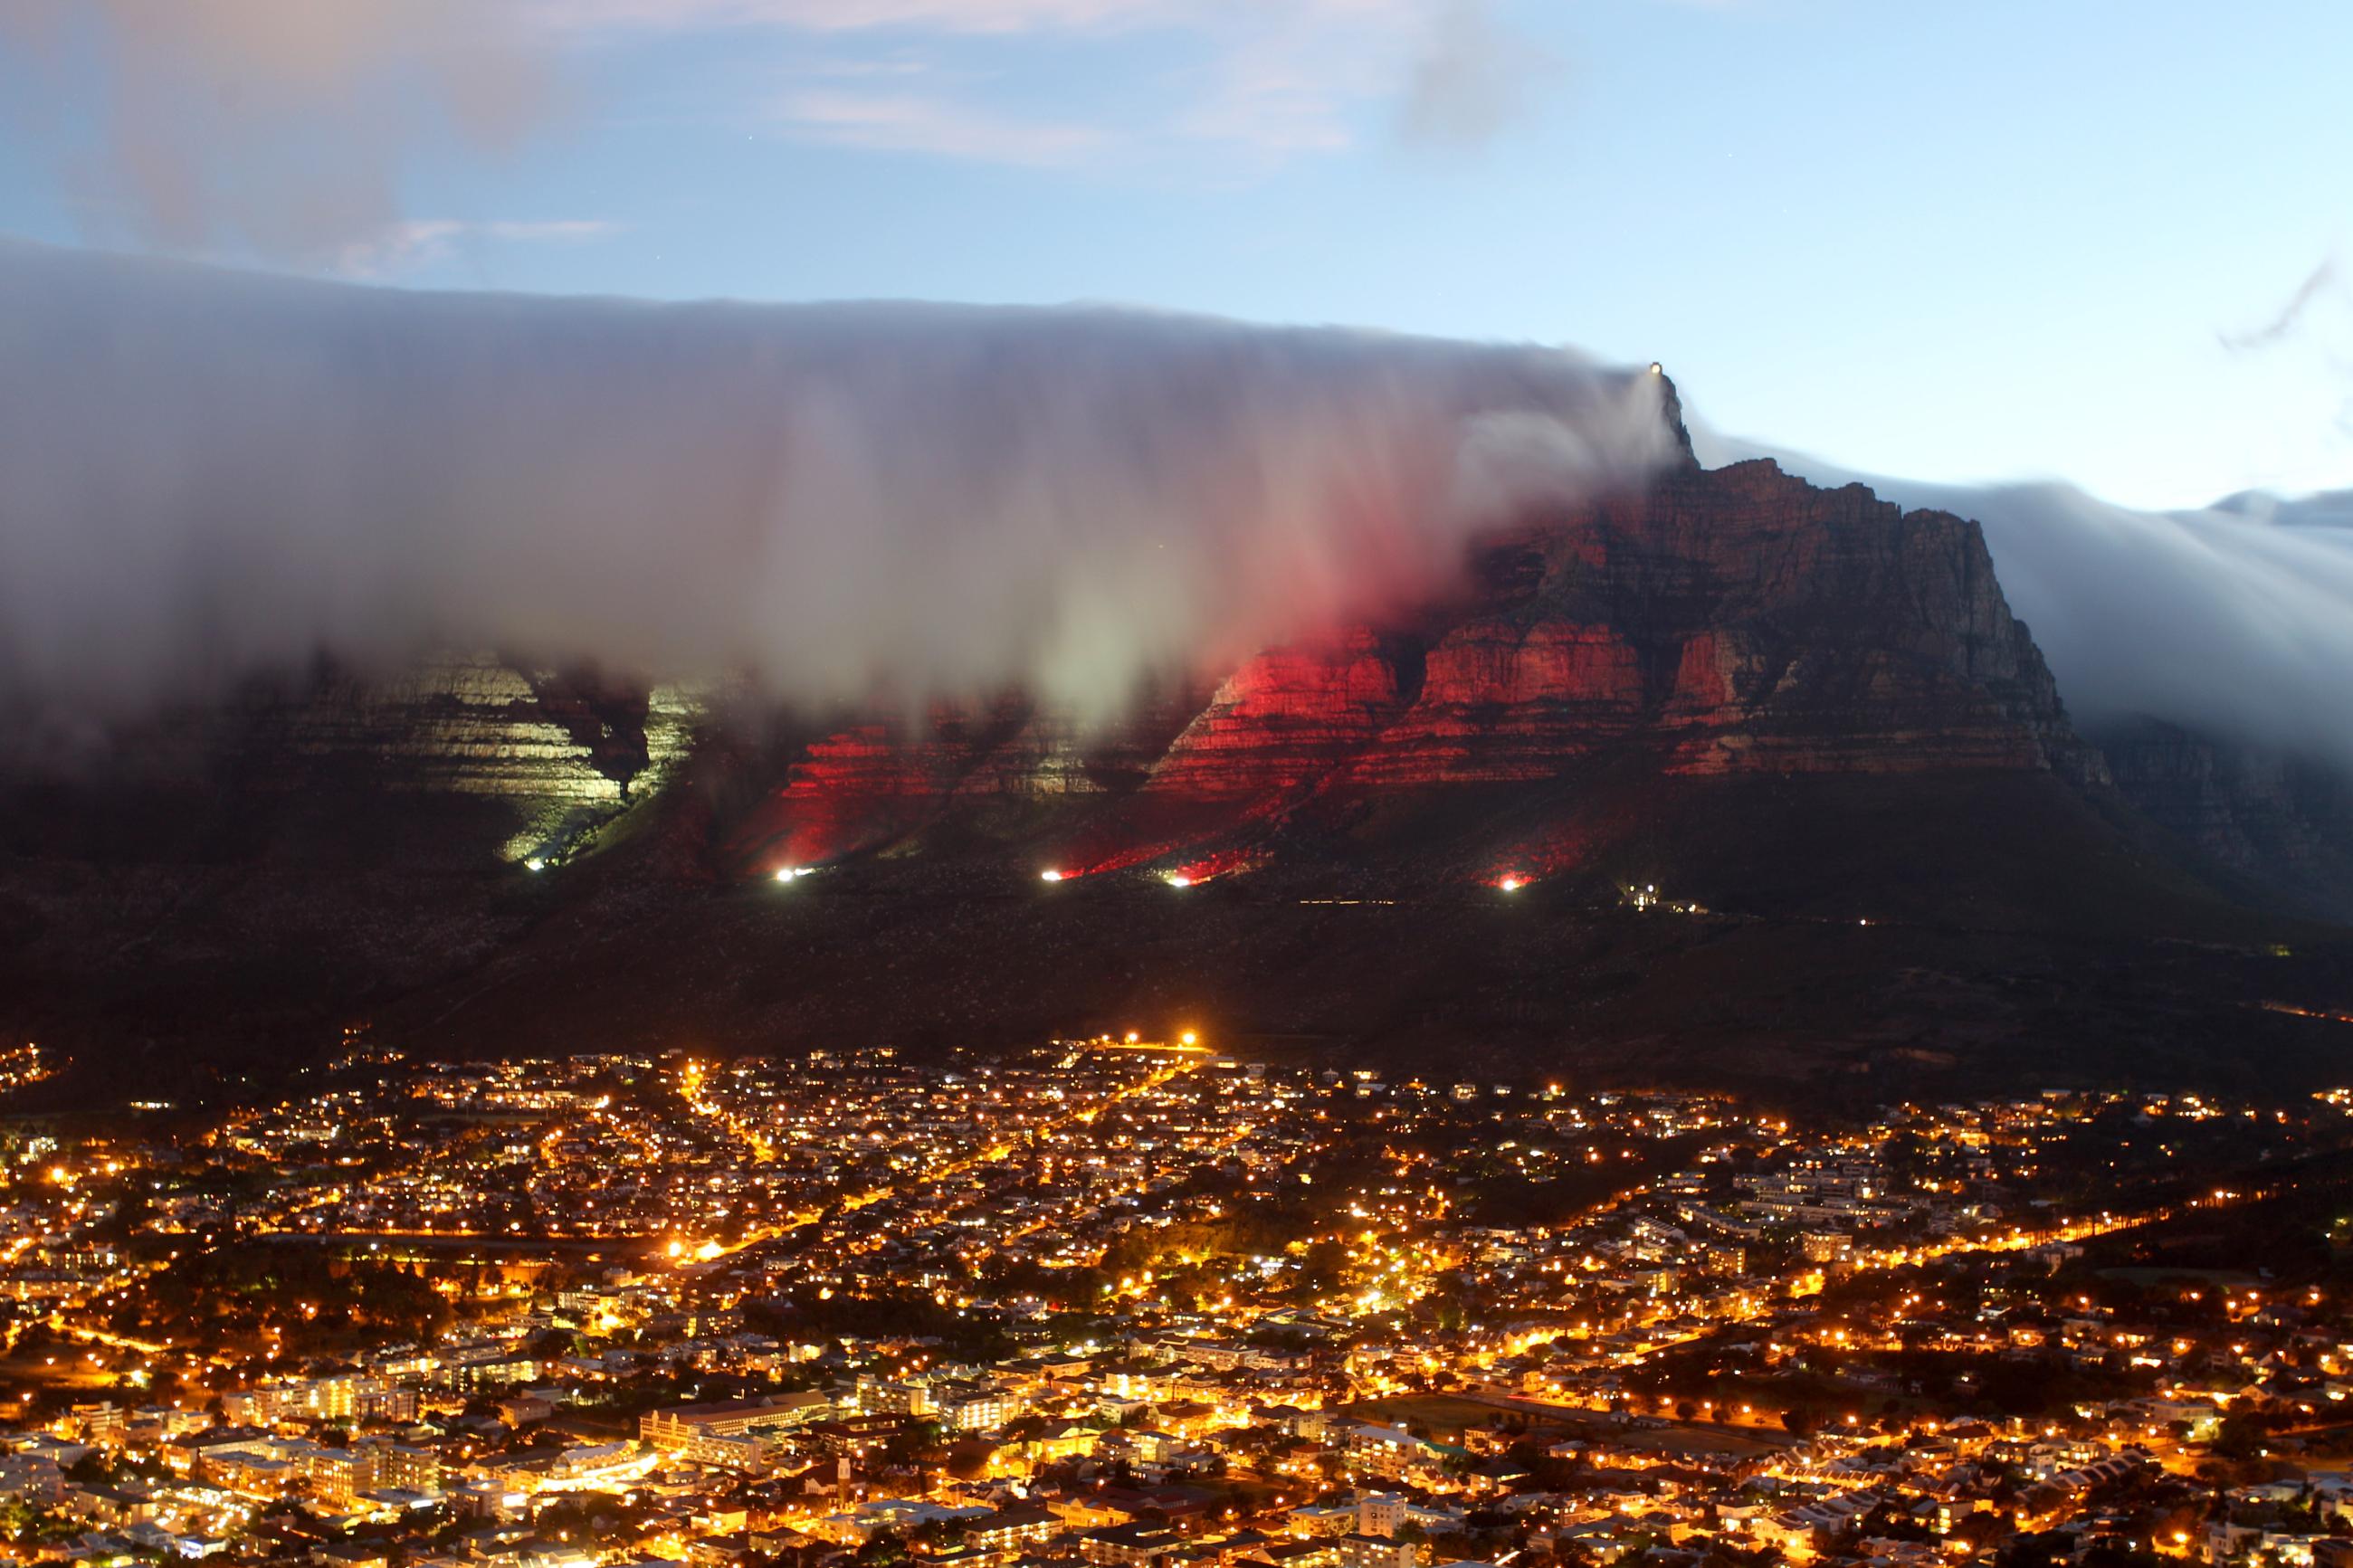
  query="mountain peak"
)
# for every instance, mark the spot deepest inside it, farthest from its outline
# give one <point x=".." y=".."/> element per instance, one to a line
<point x="1670" y="408"/>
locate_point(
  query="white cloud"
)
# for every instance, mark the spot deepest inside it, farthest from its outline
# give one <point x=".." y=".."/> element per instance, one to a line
<point x="287" y="130"/>
<point x="860" y="16"/>
<point x="846" y="501"/>
<point x="274" y="128"/>
<point x="417" y="243"/>
<point x="1470" y="78"/>
<point x="1262" y="98"/>
<point x="937" y="127"/>
<point x="1279" y="77"/>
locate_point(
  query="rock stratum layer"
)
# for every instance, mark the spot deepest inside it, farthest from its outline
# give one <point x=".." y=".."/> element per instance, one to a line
<point x="1733" y="621"/>
<point x="1806" y="713"/>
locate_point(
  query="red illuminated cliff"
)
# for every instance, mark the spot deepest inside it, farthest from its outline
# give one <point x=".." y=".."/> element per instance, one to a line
<point x="1805" y="711"/>
<point x="1735" y="621"/>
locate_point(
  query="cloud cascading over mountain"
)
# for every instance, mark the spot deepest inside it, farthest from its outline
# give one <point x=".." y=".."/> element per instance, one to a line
<point x="204" y="473"/>
<point x="2235" y="619"/>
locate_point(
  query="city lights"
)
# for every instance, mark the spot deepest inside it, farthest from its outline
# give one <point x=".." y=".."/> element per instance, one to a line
<point x="1301" y="1257"/>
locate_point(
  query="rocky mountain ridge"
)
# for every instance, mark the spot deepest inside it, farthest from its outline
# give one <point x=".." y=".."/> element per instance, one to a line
<point x="1804" y="711"/>
<point x="1729" y="621"/>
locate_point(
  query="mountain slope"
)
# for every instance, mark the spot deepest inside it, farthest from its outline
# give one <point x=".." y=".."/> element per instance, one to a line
<point x="1806" y="710"/>
<point x="1726" y="622"/>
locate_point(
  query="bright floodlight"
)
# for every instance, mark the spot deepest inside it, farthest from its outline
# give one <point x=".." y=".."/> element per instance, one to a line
<point x="534" y="863"/>
<point x="1179" y="879"/>
<point x="1510" y="884"/>
<point x="786" y="873"/>
<point x="1050" y="876"/>
<point x="1657" y="368"/>
<point x="1189" y="1037"/>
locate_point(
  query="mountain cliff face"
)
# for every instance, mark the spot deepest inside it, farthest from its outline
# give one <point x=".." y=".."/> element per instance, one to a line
<point x="237" y="873"/>
<point x="1728" y="622"/>
<point x="548" y="757"/>
<point x="1806" y="710"/>
<point x="2285" y="820"/>
<point x="563" y="753"/>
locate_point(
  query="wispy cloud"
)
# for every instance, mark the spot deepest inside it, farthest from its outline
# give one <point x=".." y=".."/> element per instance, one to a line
<point x="1280" y="79"/>
<point x="419" y="243"/>
<point x="1469" y="80"/>
<point x="1262" y="98"/>
<point x="289" y="131"/>
<point x="279" y="129"/>
<point x="860" y="16"/>
<point x="2316" y="319"/>
<point x="2324" y="280"/>
<point x="839" y="501"/>
<point x="936" y="127"/>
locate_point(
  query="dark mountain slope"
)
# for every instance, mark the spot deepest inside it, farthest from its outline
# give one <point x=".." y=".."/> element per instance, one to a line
<point x="1800" y="708"/>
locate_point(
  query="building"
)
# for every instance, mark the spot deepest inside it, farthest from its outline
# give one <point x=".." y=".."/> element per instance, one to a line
<point x="1826" y="1245"/>
<point x="727" y="1433"/>
<point x="1128" y="1545"/>
<point x="1375" y="1551"/>
<point x="1012" y="1528"/>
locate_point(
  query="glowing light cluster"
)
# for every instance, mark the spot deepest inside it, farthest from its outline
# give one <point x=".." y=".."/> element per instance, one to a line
<point x="1050" y="876"/>
<point x="1209" y="867"/>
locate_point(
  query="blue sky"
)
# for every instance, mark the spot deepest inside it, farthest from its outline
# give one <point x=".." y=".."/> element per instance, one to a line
<point x="1956" y="241"/>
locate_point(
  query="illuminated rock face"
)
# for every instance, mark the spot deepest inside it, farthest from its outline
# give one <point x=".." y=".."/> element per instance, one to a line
<point x="1801" y="630"/>
<point x="1284" y="721"/>
<point x="1504" y="700"/>
<point x="860" y="787"/>
<point x="562" y="753"/>
<point x="1730" y="621"/>
<point x="1738" y="620"/>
